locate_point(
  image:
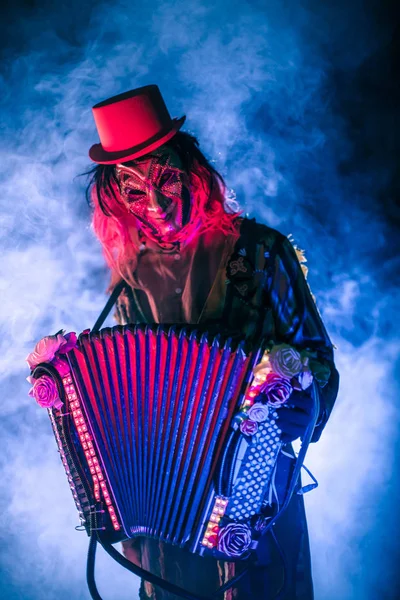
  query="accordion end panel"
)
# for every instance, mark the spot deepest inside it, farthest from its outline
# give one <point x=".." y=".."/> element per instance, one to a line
<point x="79" y="456"/>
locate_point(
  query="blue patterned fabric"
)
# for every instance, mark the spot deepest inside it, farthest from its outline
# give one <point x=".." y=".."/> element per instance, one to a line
<point x="297" y="320"/>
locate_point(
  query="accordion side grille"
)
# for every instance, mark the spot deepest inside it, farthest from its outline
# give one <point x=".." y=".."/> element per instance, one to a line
<point x="75" y="482"/>
<point x="159" y="405"/>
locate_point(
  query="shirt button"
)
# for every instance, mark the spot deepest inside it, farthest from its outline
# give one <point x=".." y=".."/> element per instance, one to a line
<point x="178" y="290"/>
<point x="177" y="256"/>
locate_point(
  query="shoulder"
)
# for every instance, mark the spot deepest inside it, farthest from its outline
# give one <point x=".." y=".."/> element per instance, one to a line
<point x="262" y="234"/>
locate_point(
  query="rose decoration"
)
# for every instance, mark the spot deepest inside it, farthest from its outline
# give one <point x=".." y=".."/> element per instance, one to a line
<point x="276" y="390"/>
<point x="285" y="360"/>
<point x="249" y="427"/>
<point x="70" y="342"/>
<point x="45" y="392"/>
<point x="305" y="379"/>
<point x="234" y="539"/>
<point x="46" y="349"/>
<point x="258" y="412"/>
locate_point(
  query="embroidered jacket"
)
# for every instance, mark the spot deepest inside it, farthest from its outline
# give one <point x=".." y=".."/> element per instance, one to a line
<point x="254" y="286"/>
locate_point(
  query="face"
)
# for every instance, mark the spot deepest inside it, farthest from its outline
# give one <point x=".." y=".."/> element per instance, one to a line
<point x="155" y="189"/>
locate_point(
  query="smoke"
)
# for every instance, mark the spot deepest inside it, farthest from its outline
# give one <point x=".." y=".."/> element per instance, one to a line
<point x="284" y="99"/>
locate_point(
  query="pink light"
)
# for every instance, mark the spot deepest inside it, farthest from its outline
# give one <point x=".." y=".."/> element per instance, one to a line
<point x="90" y="454"/>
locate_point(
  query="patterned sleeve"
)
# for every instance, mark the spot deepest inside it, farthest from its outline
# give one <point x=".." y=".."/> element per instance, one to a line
<point x="297" y="320"/>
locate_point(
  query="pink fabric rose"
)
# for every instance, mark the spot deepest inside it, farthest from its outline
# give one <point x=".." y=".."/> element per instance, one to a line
<point x="248" y="427"/>
<point x="276" y="389"/>
<point x="45" y="392"/>
<point x="234" y="539"/>
<point x="285" y="360"/>
<point x="46" y="349"/>
<point x="258" y="412"/>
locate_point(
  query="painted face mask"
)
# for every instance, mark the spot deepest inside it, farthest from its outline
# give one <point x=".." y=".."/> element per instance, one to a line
<point x="155" y="190"/>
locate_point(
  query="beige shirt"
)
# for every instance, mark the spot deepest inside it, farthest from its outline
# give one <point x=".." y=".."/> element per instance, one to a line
<point x="177" y="285"/>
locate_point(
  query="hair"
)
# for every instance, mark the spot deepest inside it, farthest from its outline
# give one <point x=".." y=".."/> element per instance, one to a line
<point x="117" y="229"/>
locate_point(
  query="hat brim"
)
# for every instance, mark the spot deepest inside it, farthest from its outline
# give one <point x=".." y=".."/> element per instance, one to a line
<point x="98" y="155"/>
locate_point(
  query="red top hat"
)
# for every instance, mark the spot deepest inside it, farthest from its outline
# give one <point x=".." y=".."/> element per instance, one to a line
<point x="131" y="125"/>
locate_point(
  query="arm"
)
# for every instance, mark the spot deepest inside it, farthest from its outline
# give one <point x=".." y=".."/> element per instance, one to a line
<point x="298" y="322"/>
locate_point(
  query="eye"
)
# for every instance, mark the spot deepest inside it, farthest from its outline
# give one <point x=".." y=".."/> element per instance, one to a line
<point x="168" y="177"/>
<point x="134" y="194"/>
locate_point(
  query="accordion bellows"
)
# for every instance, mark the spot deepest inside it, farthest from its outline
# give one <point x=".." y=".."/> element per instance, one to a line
<point x="149" y="432"/>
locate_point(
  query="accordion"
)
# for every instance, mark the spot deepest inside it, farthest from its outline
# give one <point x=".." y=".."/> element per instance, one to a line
<point x="151" y="425"/>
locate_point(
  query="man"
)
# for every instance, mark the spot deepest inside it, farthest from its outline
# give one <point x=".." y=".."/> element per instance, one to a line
<point x="161" y="216"/>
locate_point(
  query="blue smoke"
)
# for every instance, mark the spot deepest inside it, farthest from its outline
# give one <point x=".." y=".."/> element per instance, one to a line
<point x="292" y="103"/>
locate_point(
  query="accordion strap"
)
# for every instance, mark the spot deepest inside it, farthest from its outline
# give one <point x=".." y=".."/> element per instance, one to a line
<point x="143" y="573"/>
<point x="110" y="303"/>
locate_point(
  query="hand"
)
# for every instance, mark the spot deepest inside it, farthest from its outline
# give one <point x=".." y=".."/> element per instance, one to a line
<point x="294" y="417"/>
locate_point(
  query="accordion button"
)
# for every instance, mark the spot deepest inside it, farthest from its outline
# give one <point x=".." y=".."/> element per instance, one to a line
<point x="177" y="256"/>
<point x="178" y="290"/>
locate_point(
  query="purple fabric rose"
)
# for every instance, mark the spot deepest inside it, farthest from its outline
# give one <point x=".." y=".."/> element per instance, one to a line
<point x="248" y="427"/>
<point x="276" y="389"/>
<point x="70" y="342"/>
<point x="45" y="392"/>
<point x="234" y="539"/>
<point x="258" y="412"/>
<point x="285" y="360"/>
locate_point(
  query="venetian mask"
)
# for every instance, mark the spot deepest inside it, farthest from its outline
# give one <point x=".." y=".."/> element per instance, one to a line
<point x="155" y="189"/>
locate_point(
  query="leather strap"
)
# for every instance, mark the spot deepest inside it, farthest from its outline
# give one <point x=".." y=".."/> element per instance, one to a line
<point x="110" y="303"/>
